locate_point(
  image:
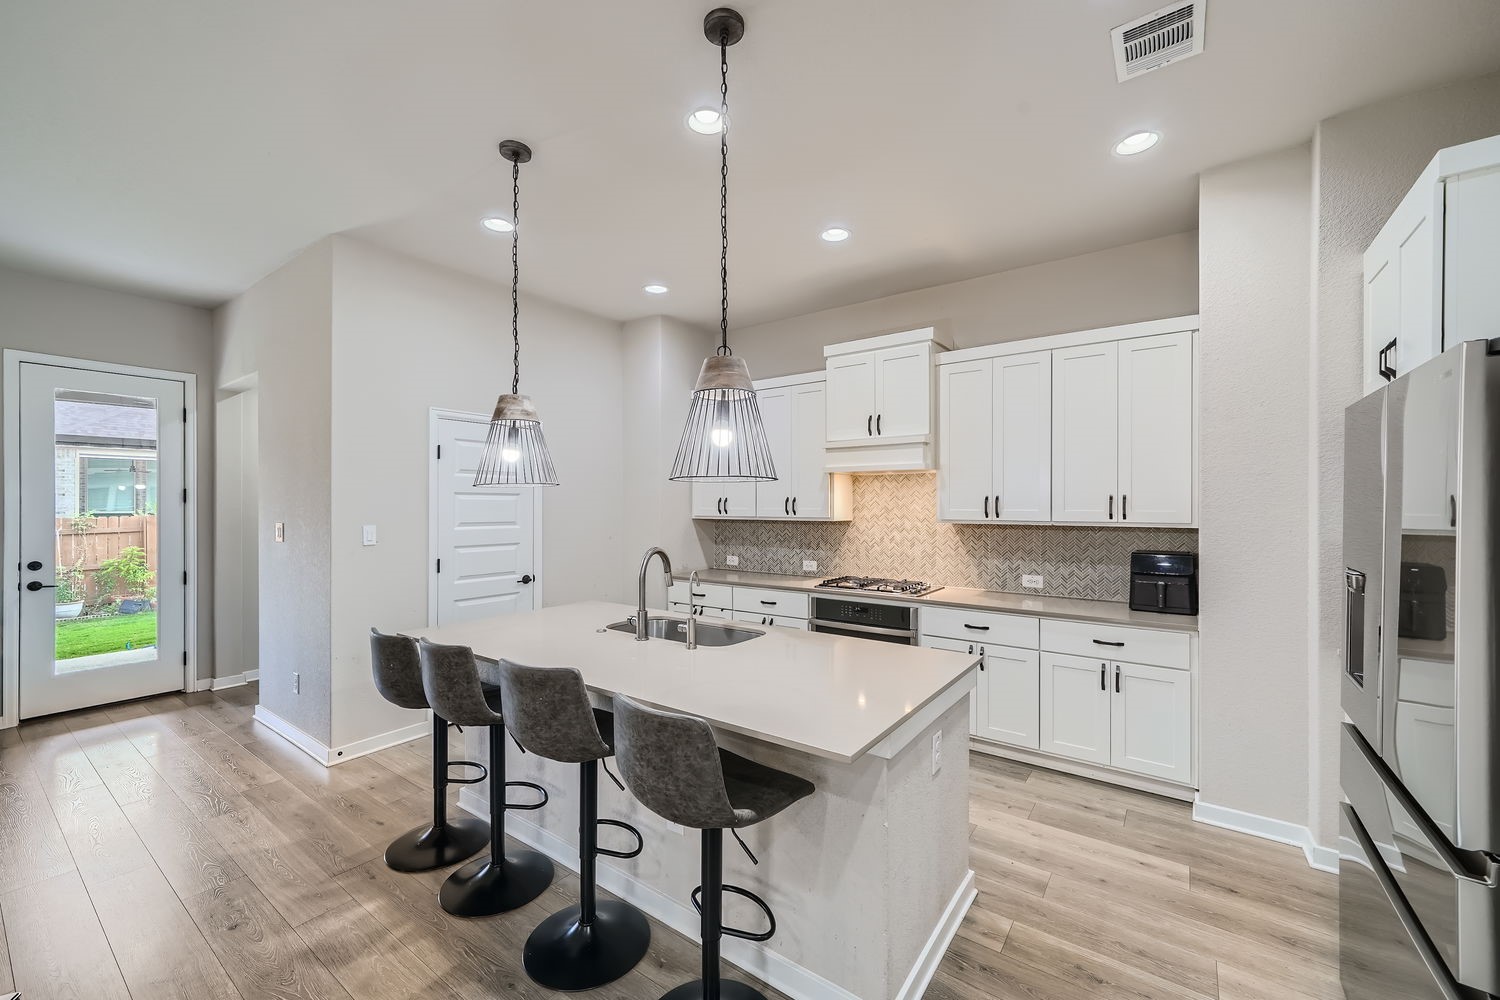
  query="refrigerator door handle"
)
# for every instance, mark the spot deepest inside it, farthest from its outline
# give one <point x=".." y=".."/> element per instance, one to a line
<point x="1354" y="625"/>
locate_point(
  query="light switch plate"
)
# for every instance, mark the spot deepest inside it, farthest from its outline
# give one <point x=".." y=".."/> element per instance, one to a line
<point x="367" y="535"/>
<point x="296" y="682"/>
<point x="281" y="531"/>
<point x="731" y="560"/>
<point x="809" y="565"/>
<point x="1032" y="581"/>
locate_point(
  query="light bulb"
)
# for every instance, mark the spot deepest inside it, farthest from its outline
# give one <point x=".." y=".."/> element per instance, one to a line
<point x="721" y="436"/>
<point x="510" y="455"/>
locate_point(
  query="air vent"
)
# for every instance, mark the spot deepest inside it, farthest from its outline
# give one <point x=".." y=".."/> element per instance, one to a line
<point x="1161" y="37"/>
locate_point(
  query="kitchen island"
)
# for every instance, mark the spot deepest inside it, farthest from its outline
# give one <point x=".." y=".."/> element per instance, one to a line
<point x="869" y="877"/>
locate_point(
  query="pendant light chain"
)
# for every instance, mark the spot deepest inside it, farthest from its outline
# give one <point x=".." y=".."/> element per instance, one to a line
<point x="724" y="195"/>
<point x="515" y="273"/>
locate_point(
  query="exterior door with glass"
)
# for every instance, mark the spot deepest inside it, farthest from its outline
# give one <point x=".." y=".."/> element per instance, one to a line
<point x="102" y="538"/>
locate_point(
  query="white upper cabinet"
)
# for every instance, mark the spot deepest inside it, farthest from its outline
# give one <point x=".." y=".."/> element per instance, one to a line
<point x="879" y="403"/>
<point x="774" y="499"/>
<point x="966" y="435"/>
<point x="1085" y="433"/>
<point x="1429" y="275"/>
<point x="814" y="490"/>
<point x="728" y="500"/>
<point x="994" y="439"/>
<point x="1156" y="429"/>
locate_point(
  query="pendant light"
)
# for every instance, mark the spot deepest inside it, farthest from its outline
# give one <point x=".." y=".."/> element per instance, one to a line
<point x="724" y="440"/>
<point x="515" y="452"/>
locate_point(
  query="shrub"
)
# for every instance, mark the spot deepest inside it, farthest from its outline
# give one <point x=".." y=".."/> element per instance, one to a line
<point x="127" y="571"/>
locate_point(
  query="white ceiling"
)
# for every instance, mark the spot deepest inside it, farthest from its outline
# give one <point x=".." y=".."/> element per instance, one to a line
<point x="188" y="147"/>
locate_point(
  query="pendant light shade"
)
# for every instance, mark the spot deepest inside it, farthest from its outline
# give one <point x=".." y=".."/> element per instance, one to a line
<point x="515" y="452"/>
<point x="724" y="440"/>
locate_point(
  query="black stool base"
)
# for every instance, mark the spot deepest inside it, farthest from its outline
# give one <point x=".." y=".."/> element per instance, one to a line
<point x="482" y="889"/>
<point x="429" y="847"/>
<point x="563" y="954"/>
<point x="728" y="990"/>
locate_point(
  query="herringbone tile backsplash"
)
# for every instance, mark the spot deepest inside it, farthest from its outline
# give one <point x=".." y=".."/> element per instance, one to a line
<point x="895" y="532"/>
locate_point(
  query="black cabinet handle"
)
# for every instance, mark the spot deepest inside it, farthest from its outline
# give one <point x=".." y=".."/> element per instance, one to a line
<point x="786" y="506"/>
<point x="1387" y="369"/>
<point x="527" y="578"/>
<point x="986" y="506"/>
<point x="1103" y="677"/>
<point x="34" y="565"/>
<point x="877" y="423"/>
<point x="977" y="628"/>
<point x="997" y="505"/>
<point x="1124" y="506"/>
<point x="696" y="594"/>
<point x="36" y="585"/>
<point x="870" y="425"/>
<point x="1105" y="642"/>
<point x="794" y="506"/>
<point x="971" y="649"/>
<point x="1117" y="679"/>
<point x="769" y="604"/>
<point x="1111" y="506"/>
<point x="1452" y="511"/>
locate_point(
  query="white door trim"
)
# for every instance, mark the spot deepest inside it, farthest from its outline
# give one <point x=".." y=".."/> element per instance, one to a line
<point x="10" y="575"/>
<point x="435" y="416"/>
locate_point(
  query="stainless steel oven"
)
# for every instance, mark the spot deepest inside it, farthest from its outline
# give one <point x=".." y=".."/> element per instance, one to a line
<point x="865" y="620"/>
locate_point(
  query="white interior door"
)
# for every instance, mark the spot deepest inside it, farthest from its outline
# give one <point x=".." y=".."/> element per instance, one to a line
<point x="103" y="517"/>
<point x="485" y="562"/>
<point x="774" y="499"/>
<point x="1156" y="429"/>
<point x="1085" y="433"/>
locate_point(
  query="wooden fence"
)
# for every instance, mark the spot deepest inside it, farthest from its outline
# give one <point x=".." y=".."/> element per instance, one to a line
<point x="87" y="544"/>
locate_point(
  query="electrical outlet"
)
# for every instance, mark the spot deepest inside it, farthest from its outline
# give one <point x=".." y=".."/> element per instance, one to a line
<point x="296" y="683"/>
<point x="731" y="560"/>
<point x="280" y="531"/>
<point x="367" y="535"/>
<point x="1032" y="581"/>
<point x="809" y="565"/>
<point x="937" y="751"/>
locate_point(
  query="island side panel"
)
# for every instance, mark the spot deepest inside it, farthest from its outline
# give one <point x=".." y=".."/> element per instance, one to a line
<point x="927" y="819"/>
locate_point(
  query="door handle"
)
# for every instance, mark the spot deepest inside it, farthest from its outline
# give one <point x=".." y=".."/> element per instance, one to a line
<point x="1105" y="642"/>
<point x="794" y="506"/>
<point x="977" y="628"/>
<point x="1124" y="506"/>
<point x="1103" y="677"/>
<point x="34" y="565"/>
<point x="36" y="585"/>
<point x="770" y="604"/>
<point x="986" y="506"/>
<point x="997" y="505"/>
<point x="877" y="423"/>
<point x="1452" y="511"/>
<point x="1354" y="625"/>
<point x="786" y="506"/>
<point x="527" y="578"/>
<point x="870" y="425"/>
<point x="1117" y="678"/>
<point x="1111" y="506"/>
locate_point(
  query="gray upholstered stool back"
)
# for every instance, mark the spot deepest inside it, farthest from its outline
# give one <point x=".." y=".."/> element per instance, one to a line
<point x="398" y="669"/>
<point x="671" y="763"/>
<point x="547" y="710"/>
<point x="450" y="677"/>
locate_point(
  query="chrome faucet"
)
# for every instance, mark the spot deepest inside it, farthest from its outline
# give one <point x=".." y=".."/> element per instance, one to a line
<point x="640" y="610"/>
<point x="692" y="622"/>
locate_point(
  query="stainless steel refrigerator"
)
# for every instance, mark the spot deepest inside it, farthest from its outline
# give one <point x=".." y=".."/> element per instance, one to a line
<point x="1419" y="874"/>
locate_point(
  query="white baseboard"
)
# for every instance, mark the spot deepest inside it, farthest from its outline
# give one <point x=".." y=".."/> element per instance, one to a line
<point x="1095" y="772"/>
<point x="328" y="756"/>
<point x="1279" y="830"/>
<point x="225" y="681"/>
<point x="770" y="967"/>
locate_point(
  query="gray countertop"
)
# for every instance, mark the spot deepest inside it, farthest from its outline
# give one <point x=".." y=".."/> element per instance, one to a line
<point x="1065" y="608"/>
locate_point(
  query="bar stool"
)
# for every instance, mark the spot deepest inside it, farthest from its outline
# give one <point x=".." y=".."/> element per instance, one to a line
<point x="398" y="678"/>
<point x="672" y="765"/>
<point x="593" y="943"/>
<point x="502" y="881"/>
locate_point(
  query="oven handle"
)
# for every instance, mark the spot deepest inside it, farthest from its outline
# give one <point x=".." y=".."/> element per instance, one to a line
<point x="871" y="629"/>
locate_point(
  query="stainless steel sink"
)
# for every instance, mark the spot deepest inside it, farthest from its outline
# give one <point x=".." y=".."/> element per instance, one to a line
<point x="675" y="629"/>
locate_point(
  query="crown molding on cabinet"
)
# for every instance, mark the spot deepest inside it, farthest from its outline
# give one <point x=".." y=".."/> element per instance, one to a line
<point x="1129" y="331"/>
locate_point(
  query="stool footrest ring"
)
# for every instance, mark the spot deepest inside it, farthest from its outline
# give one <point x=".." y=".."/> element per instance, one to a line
<point x="526" y="807"/>
<point x="765" y="908"/>
<point x="484" y="772"/>
<point x="640" y="842"/>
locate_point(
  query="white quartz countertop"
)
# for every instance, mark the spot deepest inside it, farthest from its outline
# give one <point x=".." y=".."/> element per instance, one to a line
<point x="831" y="696"/>
<point x="1065" y="608"/>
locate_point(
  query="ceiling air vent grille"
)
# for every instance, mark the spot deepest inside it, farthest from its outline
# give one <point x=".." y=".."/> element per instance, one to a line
<point x="1161" y="37"/>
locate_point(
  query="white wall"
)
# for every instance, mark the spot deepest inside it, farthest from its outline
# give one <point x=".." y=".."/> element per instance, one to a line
<point x="69" y="319"/>
<point x="1255" y="273"/>
<point x="1128" y="284"/>
<point x="237" y="535"/>
<point x="662" y="357"/>
<point x="408" y="336"/>
<point x="1365" y="161"/>
<point x="278" y="335"/>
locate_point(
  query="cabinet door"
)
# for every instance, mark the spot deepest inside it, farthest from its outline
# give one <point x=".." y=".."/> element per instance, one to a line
<point x="774" y="499"/>
<point x="903" y="391"/>
<point x="977" y="698"/>
<point x="851" y="397"/>
<point x="1382" y="312"/>
<point x="1156" y="429"/>
<point x="739" y="498"/>
<point x="1010" y="688"/>
<point x="1471" y="257"/>
<point x="708" y="499"/>
<point x="1075" y="707"/>
<point x="1152" y="724"/>
<point x="1023" y="437"/>
<point x="966" y="428"/>
<point x="1085" y="432"/>
<point x="1429" y="451"/>
<point x="809" y="451"/>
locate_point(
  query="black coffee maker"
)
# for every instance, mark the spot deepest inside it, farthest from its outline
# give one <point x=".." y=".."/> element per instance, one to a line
<point x="1165" y="582"/>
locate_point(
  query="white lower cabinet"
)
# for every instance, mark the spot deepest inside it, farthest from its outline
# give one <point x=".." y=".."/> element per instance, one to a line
<point x="1004" y="706"/>
<point x="1151" y="722"/>
<point x="1075" y="707"/>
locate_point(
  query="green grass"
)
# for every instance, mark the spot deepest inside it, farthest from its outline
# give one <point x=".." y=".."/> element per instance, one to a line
<point x="105" y="635"/>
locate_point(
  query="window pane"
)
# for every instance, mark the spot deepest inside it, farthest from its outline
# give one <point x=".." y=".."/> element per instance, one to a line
<point x="109" y="486"/>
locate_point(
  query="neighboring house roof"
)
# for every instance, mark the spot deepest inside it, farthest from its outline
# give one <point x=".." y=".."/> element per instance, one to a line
<point x="105" y="422"/>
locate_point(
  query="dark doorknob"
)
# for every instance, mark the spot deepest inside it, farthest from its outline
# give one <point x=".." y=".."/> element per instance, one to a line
<point x="34" y="565"/>
<point x="527" y="578"/>
<point x="36" y="585"/>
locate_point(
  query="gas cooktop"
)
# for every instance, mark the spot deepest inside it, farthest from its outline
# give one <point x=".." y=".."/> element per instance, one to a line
<point x="878" y="585"/>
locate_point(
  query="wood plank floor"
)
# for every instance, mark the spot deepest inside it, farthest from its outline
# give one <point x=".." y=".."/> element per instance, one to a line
<point x="173" y="847"/>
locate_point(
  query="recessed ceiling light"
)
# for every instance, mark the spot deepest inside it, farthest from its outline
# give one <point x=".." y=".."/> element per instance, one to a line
<point x="655" y="289"/>
<point x="705" y="121"/>
<point x="1138" y="142"/>
<point x="835" y="234"/>
<point x="497" y="225"/>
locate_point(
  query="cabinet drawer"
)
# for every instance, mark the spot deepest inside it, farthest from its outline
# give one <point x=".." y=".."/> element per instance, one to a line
<point x="1117" y="642"/>
<point x="980" y="626"/>
<point x="713" y="595"/>
<point x="699" y="610"/>
<point x="780" y="621"/>
<point x="780" y="603"/>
